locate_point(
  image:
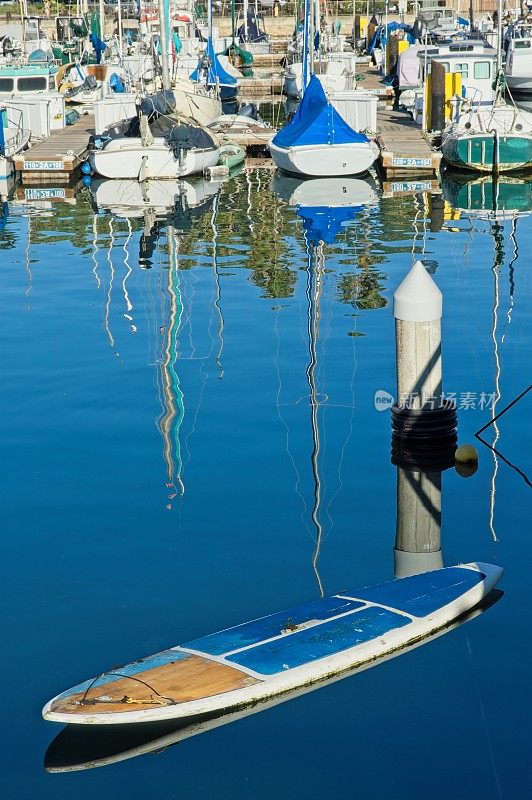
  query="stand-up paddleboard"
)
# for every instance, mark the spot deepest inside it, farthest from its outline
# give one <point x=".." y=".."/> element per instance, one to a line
<point x="270" y="656"/>
<point x="81" y="747"/>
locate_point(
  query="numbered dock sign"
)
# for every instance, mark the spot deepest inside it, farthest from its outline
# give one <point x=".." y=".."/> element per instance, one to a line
<point x="411" y="161"/>
<point x="44" y="166"/>
<point x="44" y="194"/>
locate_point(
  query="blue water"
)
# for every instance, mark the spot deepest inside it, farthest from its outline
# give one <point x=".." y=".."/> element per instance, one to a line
<point x="158" y="482"/>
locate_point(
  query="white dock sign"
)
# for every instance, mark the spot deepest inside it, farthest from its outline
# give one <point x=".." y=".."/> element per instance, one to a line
<point x="411" y="161"/>
<point x="43" y="166"/>
<point x="44" y="194"/>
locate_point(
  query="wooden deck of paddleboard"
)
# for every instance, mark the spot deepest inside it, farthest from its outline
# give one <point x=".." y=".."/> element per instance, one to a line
<point x="190" y="678"/>
<point x="56" y="159"/>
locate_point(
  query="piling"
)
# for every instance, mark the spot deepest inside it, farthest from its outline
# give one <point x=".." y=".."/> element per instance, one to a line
<point x="423" y="422"/>
<point x="437" y="97"/>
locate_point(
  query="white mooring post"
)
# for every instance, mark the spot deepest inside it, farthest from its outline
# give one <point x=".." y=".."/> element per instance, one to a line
<point x="424" y="423"/>
<point x="417" y="310"/>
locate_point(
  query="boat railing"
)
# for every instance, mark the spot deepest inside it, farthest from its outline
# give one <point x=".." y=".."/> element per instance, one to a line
<point x="15" y="134"/>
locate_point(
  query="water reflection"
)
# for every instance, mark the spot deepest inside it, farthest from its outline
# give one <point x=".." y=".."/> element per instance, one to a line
<point x="486" y="196"/>
<point x="494" y="201"/>
<point x="325" y="205"/>
<point x="171" y="208"/>
<point x="418" y="527"/>
<point x="158" y="203"/>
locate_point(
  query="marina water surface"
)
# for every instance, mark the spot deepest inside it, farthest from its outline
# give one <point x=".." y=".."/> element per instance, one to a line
<point x="193" y="434"/>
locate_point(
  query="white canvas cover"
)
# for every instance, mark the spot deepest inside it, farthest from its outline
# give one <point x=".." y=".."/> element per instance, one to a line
<point x="408" y="68"/>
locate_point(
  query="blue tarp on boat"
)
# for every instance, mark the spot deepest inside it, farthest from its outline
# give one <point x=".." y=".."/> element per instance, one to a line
<point x="383" y="32"/>
<point x="316" y="121"/>
<point x="216" y="74"/>
<point x="323" y="223"/>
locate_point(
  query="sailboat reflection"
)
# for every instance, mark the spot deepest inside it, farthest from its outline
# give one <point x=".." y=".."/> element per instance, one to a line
<point x="80" y="747"/>
<point x="154" y="202"/>
<point x="166" y="207"/>
<point x="488" y="196"/>
<point x="495" y="200"/>
<point x="324" y="205"/>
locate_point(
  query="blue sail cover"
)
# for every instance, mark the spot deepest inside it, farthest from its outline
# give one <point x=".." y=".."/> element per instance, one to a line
<point x="382" y="34"/>
<point x="322" y="223"/>
<point x="216" y="74"/>
<point x="316" y="121"/>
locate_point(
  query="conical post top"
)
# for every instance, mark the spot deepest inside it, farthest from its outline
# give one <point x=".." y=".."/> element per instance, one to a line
<point x="417" y="298"/>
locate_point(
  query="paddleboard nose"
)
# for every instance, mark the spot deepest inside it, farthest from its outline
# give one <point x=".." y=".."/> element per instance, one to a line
<point x="492" y="572"/>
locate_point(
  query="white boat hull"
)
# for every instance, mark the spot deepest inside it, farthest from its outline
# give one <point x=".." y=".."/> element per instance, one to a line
<point x="520" y="83"/>
<point x="192" y="103"/>
<point x="326" y="160"/>
<point x="126" y="157"/>
<point x="6" y="167"/>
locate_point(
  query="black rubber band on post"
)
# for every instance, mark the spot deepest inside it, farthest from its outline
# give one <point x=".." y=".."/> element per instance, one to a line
<point x="425" y="438"/>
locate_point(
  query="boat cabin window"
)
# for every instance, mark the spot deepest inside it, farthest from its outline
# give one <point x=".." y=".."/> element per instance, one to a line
<point x="462" y="68"/>
<point x="51" y="82"/>
<point x="37" y="83"/>
<point x="481" y="70"/>
<point x="524" y="44"/>
<point x="7" y="84"/>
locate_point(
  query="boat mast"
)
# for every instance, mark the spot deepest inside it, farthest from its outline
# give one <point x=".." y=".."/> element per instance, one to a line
<point x="306" y="23"/>
<point x="163" y="33"/>
<point x="120" y="30"/>
<point x="499" y="43"/>
<point x="102" y="20"/>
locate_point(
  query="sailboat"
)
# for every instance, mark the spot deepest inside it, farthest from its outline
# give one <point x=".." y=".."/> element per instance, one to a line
<point x="519" y="59"/>
<point x="157" y="144"/>
<point x="318" y="142"/>
<point x="211" y="73"/>
<point x="497" y="139"/>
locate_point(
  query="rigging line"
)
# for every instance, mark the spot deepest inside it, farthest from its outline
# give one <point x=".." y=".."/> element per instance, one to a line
<point x="110" y="287"/>
<point x="218" y="293"/>
<point x="484" y="717"/>
<point x="504" y="410"/>
<point x="95" y="250"/>
<point x="349" y="434"/>
<point x="286" y="426"/>
<point x="129" y="304"/>
<point x="313" y="289"/>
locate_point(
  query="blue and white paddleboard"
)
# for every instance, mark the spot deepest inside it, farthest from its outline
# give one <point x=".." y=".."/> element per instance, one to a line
<point x="273" y="655"/>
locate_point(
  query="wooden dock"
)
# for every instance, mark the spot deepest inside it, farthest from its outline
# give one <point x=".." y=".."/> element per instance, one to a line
<point x="57" y="159"/>
<point x="405" y="152"/>
<point x="261" y="86"/>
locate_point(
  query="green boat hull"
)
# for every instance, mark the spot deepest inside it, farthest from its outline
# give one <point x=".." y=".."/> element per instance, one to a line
<point x="484" y="152"/>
